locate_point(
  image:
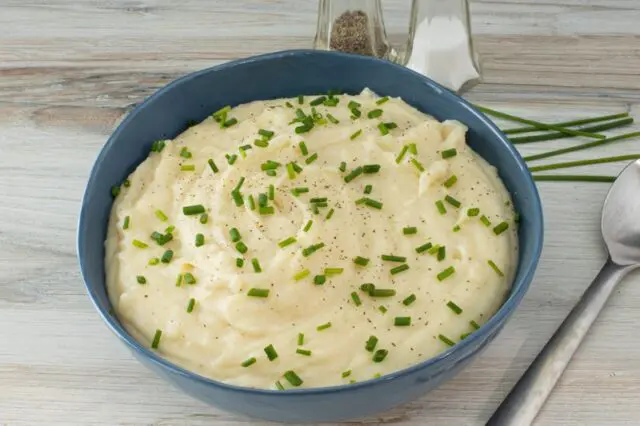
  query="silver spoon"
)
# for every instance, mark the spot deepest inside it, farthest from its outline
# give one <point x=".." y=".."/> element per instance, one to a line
<point x="621" y="233"/>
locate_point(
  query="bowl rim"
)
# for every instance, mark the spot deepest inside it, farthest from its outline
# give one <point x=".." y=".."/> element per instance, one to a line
<point x="505" y="310"/>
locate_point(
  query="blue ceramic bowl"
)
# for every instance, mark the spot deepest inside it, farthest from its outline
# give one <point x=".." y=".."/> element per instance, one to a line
<point x="287" y="74"/>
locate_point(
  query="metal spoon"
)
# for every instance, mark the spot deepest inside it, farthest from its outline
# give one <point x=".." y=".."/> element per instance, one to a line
<point x="621" y="233"/>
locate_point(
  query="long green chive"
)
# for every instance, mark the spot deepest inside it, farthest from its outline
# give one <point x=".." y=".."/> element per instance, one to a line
<point x="300" y="339"/>
<point x="368" y="189"/>
<point x="332" y="119"/>
<point x="141" y="279"/>
<point x="330" y="214"/>
<point x="382" y="292"/>
<point x="187" y="167"/>
<point x="308" y="226"/>
<point x="248" y="362"/>
<point x="423" y="248"/>
<point x="323" y="326"/>
<point x="293" y="378"/>
<point x="301" y="275"/>
<point x="399" y="269"/>
<point x="537" y="124"/>
<point x="361" y="261"/>
<point x="304" y="352"/>
<point x="239" y="262"/>
<point x="474" y="324"/>
<point x="380" y="355"/>
<point x="393" y="258"/>
<point x="382" y="100"/>
<point x="272" y="192"/>
<point x="154" y="261"/>
<point x="455" y="308"/>
<point x="199" y="240"/>
<point x="258" y="292"/>
<point x="311" y="158"/>
<point x="312" y="249"/>
<point x="319" y="279"/>
<point x="446" y="273"/>
<point x="192" y="210"/>
<point x="442" y="252"/>
<point x="568" y="123"/>
<point x="353" y="174"/>
<point x="346" y="374"/>
<point x="156" y="339"/>
<point x="402" y="321"/>
<point x="356" y="298"/>
<point x="371" y="344"/>
<point x="235" y="235"/>
<point x="355" y="134"/>
<point x="574" y="178"/>
<point x="241" y="247"/>
<point x="333" y="271"/>
<point x="371" y="168"/>
<point x="581" y="147"/>
<point x="271" y="352"/>
<point x="403" y="152"/>
<point x="448" y="153"/>
<point x="485" y="220"/>
<point x="418" y="164"/>
<point x="500" y="228"/>
<point x="455" y="203"/>
<point x="558" y="135"/>
<point x="472" y="212"/>
<point x="375" y="113"/>
<point x="166" y="256"/>
<point x="409" y="230"/>
<point x="383" y="129"/>
<point x="451" y="181"/>
<point x="286" y="242"/>
<point x="446" y="340"/>
<point x="256" y="265"/>
<point x="569" y="164"/>
<point x="231" y="158"/>
<point x="266" y="210"/>
<point x="279" y="385"/>
<point x="125" y="223"/>
<point x="441" y="208"/>
<point x="495" y="268"/>
<point x="409" y="300"/>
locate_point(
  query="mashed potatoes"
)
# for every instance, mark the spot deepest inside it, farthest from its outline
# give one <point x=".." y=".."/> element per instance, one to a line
<point x="310" y="242"/>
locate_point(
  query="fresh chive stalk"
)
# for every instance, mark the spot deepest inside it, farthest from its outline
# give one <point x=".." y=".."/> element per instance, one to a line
<point x="574" y="178"/>
<point x="581" y="147"/>
<point x="580" y="122"/>
<point x="579" y="163"/>
<point x="558" y="135"/>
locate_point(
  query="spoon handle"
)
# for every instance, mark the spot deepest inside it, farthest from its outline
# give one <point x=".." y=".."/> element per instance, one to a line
<point x="526" y="398"/>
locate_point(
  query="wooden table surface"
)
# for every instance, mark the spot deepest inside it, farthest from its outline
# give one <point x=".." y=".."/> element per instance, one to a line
<point x="69" y="71"/>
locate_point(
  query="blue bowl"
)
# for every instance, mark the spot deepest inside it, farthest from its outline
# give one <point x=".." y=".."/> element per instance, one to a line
<point x="287" y="74"/>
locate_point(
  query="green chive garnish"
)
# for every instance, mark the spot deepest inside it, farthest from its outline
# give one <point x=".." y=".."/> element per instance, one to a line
<point x="361" y="261"/>
<point x="455" y="203"/>
<point x="266" y="210"/>
<point x="189" y="278"/>
<point x="399" y="269"/>
<point x="125" y="224"/>
<point x="241" y="247"/>
<point x="291" y="171"/>
<point x="442" y="252"/>
<point x="403" y="152"/>
<point x="160" y="215"/>
<point x="330" y="214"/>
<point x="308" y="226"/>
<point x="393" y="258"/>
<point x="318" y="200"/>
<point x="300" y="190"/>
<point x="167" y="256"/>
<point x="271" y="352"/>
<point x="409" y="300"/>
<point x="333" y="271"/>
<point x="304" y="352"/>
<point x="312" y="249"/>
<point x="441" y="208"/>
<point x="495" y="268"/>
<point x="356" y="299"/>
<point x="423" y="248"/>
<point x="256" y="265"/>
<point x="204" y="218"/>
<point x="288" y="241"/>
<point x="302" y="274"/>
<point x="413" y="148"/>
<point x="239" y="262"/>
<point x="248" y="362"/>
<point x="383" y="129"/>
<point x="500" y="228"/>
<point x="409" y="230"/>
<point x="355" y="134"/>
<point x="158" y="146"/>
<point x="272" y="192"/>
<point x="191" y="305"/>
<point x="235" y="235"/>
<point x="323" y="326"/>
<point x="303" y="148"/>
<point x="187" y="167"/>
<point x="455" y="308"/>
<point x="184" y="152"/>
<point x="451" y="181"/>
<point x="279" y="385"/>
<point x="156" y="339"/>
<point x="473" y="212"/>
<point x="446" y="340"/>
<point x="382" y="309"/>
<point x="300" y="339"/>
<point x="474" y="324"/>
<point x="179" y="280"/>
<point x="293" y="378"/>
<point x="258" y="292"/>
<point x="141" y="279"/>
<point x="213" y="166"/>
<point x="371" y="168"/>
<point x="251" y="202"/>
<point x="353" y="104"/>
<point x="346" y="374"/>
<point x="269" y="165"/>
<point x="446" y="273"/>
<point x="402" y="321"/>
<point x="300" y="99"/>
<point x="390" y="125"/>
<point x="370" y="203"/>
<point x="261" y="143"/>
<point x="382" y="292"/>
<point x="265" y="133"/>
<point x="230" y="122"/>
<point x="371" y="343"/>
<point x="319" y="279"/>
<point x="367" y="287"/>
<point x="231" y="158"/>
<point x="192" y="210"/>
<point x="343" y="166"/>
<point x="199" y="240"/>
<point x="332" y="119"/>
<point x="368" y="189"/>
<point x="353" y="174"/>
<point x="374" y="113"/>
<point x="318" y="100"/>
<point x="418" y="164"/>
<point x="154" y="261"/>
<point x="448" y="153"/>
<point x="380" y="355"/>
<point x="311" y="158"/>
<point x="485" y="220"/>
<point x="382" y="100"/>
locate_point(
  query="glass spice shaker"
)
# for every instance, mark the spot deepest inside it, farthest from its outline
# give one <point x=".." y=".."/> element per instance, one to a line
<point x="353" y="26"/>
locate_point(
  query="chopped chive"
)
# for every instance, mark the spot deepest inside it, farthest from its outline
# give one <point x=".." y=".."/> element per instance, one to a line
<point x="239" y="262"/>
<point x="303" y="148"/>
<point x="403" y="152"/>
<point x="154" y="261"/>
<point x="473" y="212"/>
<point x="346" y="374"/>
<point x="304" y="352"/>
<point x="302" y="274"/>
<point x="235" y="235"/>
<point x="300" y="99"/>
<point x="158" y="146"/>
<point x="319" y="279"/>
<point x="383" y="129"/>
<point x="237" y="198"/>
<point x="371" y="343"/>
<point x="464" y="336"/>
<point x="184" y="153"/>
<point x="330" y="214"/>
<point x="179" y="280"/>
<point x="272" y="192"/>
<point x="157" y="237"/>
<point x="495" y="268"/>
<point x="300" y="339"/>
<point x="434" y="250"/>
<point x="156" y="339"/>
<point x="382" y="309"/>
<point x="332" y="119"/>
<point x="318" y="100"/>
<point x="288" y="104"/>
<point x="390" y="125"/>
<point x="299" y="190"/>
<point x="418" y="164"/>
<point x="190" y="306"/>
<point x="399" y="269"/>
<point x="371" y="168"/>
<point x="256" y="265"/>
<point x="446" y="340"/>
<point x="166" y="256"/>
<point x="448" y="153"/>
<point x="279" y="385"/>
<point x="413" y="148"/>
<point x="409" y="300"/>
<point x="361" y="261"/>
<point x="308" y="226"/>
<point x="446" y="273"/>
<point x="331" y="102"/>
<point x="199" y="240"/>
<point x="192" y="210"/>
<point x="393" y="258"/>
<point x="423" y="248"/>
<point x="368" y="189"/>
<point x="343" y="166"/>
<point x="251" y="202"/>
<point x="248" y="362"/>
<point x="266" y="210"/>
<point x="231" y="158"/>
<point x="296" y="167"/>
<point x="304" y="128"/>
<point x="353" y="174"/>
<point x="311" y="159"/>
<point x="355" y="134"/>
<point x="187" y="167"/>
<point x="382" y="292"/>
<point x="455" y="308"/>
<point x="441" y="208"/>
<point x="230" y="122"/>
<point x="500" y="228"/>
<point x="265" y="133"/>
<point x="372" y="203"/>
<point x="474" y="324"/>
<point x="204" y="218"/>
<point x="356" y="298"/>
<point x="160" y="215"/>
<point x="286" y="242"/>
<point x="260" y="143"/>
<point x="367" y="287"/>
<point x="262" y="200"/>
<point x="380" y="355"/>
<point x="269" y="165"/>
<point x="442" y="252"/>
<point x="323" y="326"/>
<point x="333" y="271"/>
<point x="189" y="278"/>
<point x="141" y="279"/>
<point x="485" y="220"/>
<point x="382" y="100"/>
<point x="258" y="292"/>
<point x="125" y="223"/>
<point x="451" y="181"/>
<point x="318" y="200"/>
<point x="375" y="113"/>
<point x="312" y="249"/>
<point x="402" y="321"/>
<point x="271" y="352"/>
<point x="455" y="203"/>
<point x="290" y="171"/>
<point x="353" y="104"/>
<point x="169" y="229"/>
<point x="293" y="378"/>
<point x="409" y="230"/>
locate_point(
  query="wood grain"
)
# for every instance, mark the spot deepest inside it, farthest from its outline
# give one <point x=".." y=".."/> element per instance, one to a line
<point x="70" y="70"/>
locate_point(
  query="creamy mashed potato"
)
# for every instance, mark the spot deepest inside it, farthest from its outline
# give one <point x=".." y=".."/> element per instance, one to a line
<point x="351" y="237"/>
